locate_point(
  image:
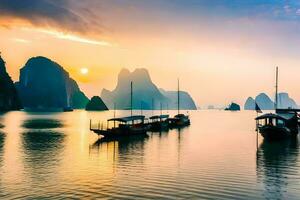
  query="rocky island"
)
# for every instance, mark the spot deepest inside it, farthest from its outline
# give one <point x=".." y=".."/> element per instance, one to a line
<point x="265" y="103"/>
<point x="9" y="99"/>
<point x="45" y="85"/>
<point x="146" y="94"/>
<point x="96" y="104"/>
<point x="233" y="107"/>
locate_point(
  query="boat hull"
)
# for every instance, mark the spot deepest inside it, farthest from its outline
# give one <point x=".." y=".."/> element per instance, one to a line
<point x="158" y="126"/>
<point x="178" y="123"/>
<point x="276" y="133"/>
<point x="121" y="132"/>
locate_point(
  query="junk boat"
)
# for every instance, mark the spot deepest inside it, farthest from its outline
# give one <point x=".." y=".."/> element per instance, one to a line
<point x="275" y="126"/>
<point x="179" y="120"/>
<point x="158" y="122"/>
<point x="124" y="126"/>
<point x="281" y="124"/>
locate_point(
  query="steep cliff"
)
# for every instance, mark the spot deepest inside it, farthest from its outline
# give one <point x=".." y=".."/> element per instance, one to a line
<point x="265" y="102"/>
<point x="45" y="84"/>
<point x="249" y="104"/>
<point x="146" y="94"/>
<point x="9" y="99"/>
<point x="96" y="104"/>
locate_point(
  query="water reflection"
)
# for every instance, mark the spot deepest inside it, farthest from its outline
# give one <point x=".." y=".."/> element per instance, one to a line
<point x="124" y="148"/>
<point x="1" y="122"/>
<point x="277" y="164"/>
<point x="2" y="140"/>
<point x="42" y="123"/>
<point x="160" y="134"/>
<point x="125" y="145"/>
<point x="42" y="147"/>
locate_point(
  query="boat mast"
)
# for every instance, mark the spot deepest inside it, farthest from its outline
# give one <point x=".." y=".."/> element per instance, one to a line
<point x="114" y="114"/>
<point x="131" y="96"/>
<point x="178" y="98"/>
<point x="152" y="106"/>
<point x="276" y="90"/>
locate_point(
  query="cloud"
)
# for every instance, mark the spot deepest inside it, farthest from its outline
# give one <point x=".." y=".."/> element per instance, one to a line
<point x="45" y="13"/>
<point x="20" y="40"/>
<point x="74" y="38"/>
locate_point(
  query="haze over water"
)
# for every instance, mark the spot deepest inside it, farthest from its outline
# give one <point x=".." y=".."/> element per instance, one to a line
<point x="216" y="157"/>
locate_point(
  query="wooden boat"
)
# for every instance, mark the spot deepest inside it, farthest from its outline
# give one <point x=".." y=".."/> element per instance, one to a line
<point x="179" y="120"/>
<point x="159" y="122"/>
<point x="278" y="126"/>
<point x="126" y="126"/>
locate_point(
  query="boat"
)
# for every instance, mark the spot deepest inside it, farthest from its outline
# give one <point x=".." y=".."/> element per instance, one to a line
<point x="282" y="124"/>
<point x="275" y="126"/>
<point x="179" y="120"/>
<point x="159" y="122"/>
<point x="123" y="126"/>
<point x="126" y="126"/>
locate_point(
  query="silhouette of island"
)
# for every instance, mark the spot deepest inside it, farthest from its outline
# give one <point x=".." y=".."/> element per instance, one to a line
<point x="145" y="93"/>
<point x="44" y="84"/>
<point x="233" y="107"/>
<point x="186" y="101"/>
<point x="96" y="104"/>
<point x="265" y="102"/>
<point x="9" y="99"/>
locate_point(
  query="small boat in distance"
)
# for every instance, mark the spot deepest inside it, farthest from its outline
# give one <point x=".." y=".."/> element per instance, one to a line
<point x="123" y="126"/>
<point x="179" y="120"/>
<point x="279" y="125"/>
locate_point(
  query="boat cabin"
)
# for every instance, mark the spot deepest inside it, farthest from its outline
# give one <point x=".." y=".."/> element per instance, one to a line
<point x="124" y="126"/>
<point x="179" y="120"/>
<point x="158" y="118"/>
<point x="280" y="120"/>
<point x="127" y="121"/>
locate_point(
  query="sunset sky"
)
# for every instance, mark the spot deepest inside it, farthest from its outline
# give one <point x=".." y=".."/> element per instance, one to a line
<point x="222" y="50"/>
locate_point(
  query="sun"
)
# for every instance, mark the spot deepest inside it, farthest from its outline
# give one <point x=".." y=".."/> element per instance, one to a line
<point x="84" y="71"/>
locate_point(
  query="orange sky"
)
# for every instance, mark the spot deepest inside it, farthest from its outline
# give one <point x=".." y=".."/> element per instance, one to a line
<point x="219" y="59"/>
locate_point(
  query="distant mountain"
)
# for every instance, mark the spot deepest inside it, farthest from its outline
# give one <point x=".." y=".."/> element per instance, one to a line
<point x="265" y="103"/>
<point x="9" y="99"/>
<point x="186" y="101"/>
<point x="145" y="93"/>
<point x="250" y="104"/>
<point x="45" y="84"/>
<point x="284" y="101"/>
<point x="96" y="104"/>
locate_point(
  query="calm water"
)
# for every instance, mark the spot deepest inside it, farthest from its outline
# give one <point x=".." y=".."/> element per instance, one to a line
<point x="55" y="156"/>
